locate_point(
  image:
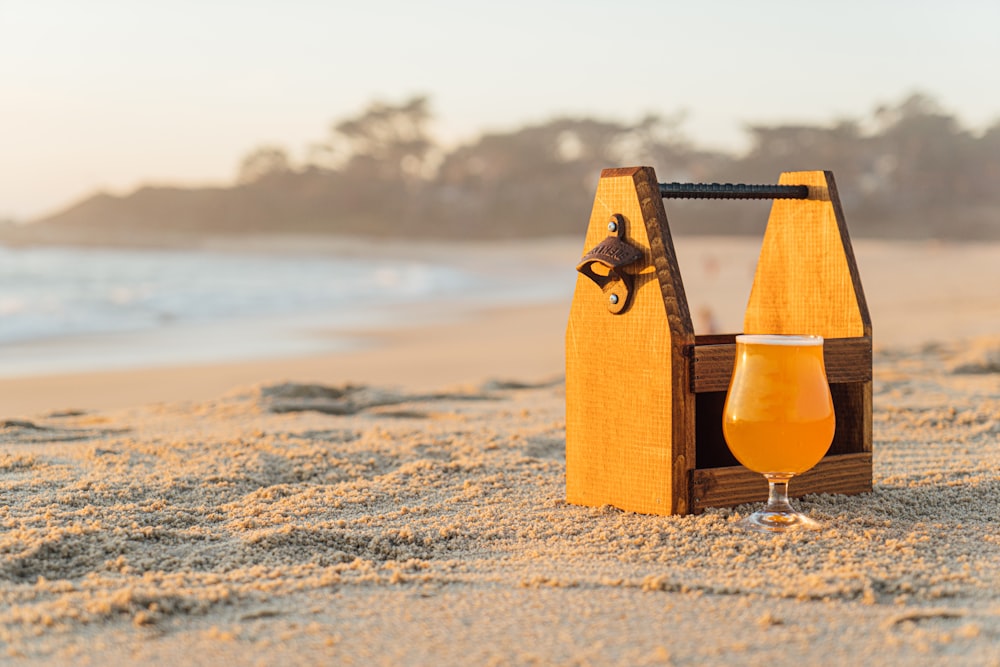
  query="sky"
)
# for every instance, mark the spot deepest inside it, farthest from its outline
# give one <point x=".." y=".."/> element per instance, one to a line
<point x="111" y="94"/>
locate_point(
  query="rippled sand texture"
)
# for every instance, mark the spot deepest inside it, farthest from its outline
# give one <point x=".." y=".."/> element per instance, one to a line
<point x="306" y="524"/>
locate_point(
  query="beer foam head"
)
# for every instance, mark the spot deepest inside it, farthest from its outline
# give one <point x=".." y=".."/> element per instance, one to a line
<point x="778" y="339"/>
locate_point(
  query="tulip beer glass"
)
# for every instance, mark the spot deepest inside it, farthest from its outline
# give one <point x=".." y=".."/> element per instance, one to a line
<point x="778" y="420"/>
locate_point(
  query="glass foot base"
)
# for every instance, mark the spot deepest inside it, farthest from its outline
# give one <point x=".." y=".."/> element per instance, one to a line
<point x="766" y="521"/>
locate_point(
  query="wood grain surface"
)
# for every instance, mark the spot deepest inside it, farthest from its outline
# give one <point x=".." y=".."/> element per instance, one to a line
<point x="629" y="416"/>
<point x="807" y="281"/>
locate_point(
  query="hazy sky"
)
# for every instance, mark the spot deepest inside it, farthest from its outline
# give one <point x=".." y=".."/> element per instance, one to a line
<point x="108" y="94"/>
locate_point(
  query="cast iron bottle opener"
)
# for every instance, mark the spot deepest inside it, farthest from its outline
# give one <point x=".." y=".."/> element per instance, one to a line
<point x="613" y="254"/>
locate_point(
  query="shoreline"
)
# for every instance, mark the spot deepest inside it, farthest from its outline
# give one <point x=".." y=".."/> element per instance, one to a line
<point x="523" y="342"/>
<point x="917" y="293"/>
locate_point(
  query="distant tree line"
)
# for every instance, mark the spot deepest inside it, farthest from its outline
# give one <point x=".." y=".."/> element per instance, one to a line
<point x="907" y="170"/>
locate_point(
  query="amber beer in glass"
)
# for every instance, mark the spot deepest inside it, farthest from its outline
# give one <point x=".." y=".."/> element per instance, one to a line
<point x="778" y="419"/>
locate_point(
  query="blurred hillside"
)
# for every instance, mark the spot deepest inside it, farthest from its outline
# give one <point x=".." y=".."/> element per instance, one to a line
<point x="907" y="170"/>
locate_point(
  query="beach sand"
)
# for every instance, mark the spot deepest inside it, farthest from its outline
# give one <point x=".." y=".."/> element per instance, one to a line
<point x="403" y="504"/>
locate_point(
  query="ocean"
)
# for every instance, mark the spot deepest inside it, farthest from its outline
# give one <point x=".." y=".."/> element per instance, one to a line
<point x="82" y="309"/>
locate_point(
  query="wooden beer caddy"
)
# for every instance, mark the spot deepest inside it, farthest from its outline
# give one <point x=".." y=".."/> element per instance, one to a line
<point x="644" y="394"/>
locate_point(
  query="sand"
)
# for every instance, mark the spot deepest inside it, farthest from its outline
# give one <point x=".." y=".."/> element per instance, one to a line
<point x="404" y="504"/>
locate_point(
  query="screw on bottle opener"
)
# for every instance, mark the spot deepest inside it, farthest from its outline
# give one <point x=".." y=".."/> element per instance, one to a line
<point x="613" y="253"/>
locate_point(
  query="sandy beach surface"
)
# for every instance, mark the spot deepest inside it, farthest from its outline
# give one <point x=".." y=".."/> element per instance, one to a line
<point x="403" y="503"/>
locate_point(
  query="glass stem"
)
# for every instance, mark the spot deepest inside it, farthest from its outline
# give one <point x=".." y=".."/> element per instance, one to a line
<point x="777" y="496"/>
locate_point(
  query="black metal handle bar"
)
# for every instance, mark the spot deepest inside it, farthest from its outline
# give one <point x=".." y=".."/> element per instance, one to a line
<point x="732" y="191"/>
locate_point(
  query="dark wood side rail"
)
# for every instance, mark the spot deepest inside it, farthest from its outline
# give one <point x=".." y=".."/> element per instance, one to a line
<point x="846" y="359"/>
<point x="735" y="485"/>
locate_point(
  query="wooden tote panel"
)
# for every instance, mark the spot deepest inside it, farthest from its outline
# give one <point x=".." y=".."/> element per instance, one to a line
<point x="807" y="280"/>
<point x="629" y="416"/>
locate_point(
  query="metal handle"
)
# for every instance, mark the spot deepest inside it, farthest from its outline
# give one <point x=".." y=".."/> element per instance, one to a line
<point x="732" y="191"/>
